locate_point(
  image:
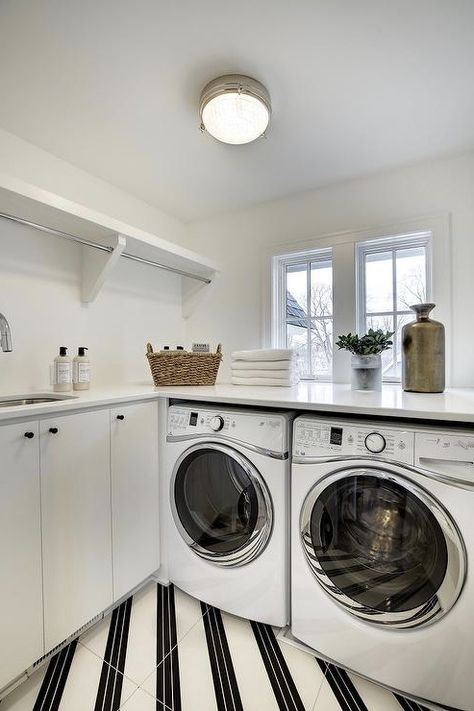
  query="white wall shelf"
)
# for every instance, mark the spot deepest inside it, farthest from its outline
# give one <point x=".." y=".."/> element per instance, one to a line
<point x="33" y="204"/>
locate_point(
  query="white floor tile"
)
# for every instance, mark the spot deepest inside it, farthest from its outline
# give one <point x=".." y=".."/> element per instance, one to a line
<point x="255" y="689"/>
<point x="197" y="689"/>
<point x="188" y="612"/>
<point x="82" y="683"/>
<point x="139" y="701"/>
<point x="141" y="659"/>
<point x="139" y="682"/>
<point x="141" y="653"/>
<point x="325" y="700"/>
<point x="305" y="671"/>
<point x="24" y="696"/>
<point x="95" y="638"/>
<point x="376" y="698"/>
<point x="141" y="648"/>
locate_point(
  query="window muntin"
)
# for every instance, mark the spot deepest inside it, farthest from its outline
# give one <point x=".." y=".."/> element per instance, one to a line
<point x="306" y="311"/>
<point x="392" y="274"/>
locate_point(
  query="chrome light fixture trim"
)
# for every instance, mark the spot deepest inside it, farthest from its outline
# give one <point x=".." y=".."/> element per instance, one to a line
<point x="235" y="109"/>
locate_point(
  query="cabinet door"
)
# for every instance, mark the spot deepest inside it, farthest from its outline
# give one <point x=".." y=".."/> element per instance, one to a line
<point x="134" y="442"/>
<point x="21" y="611"/>
<point x="76" y="518"/>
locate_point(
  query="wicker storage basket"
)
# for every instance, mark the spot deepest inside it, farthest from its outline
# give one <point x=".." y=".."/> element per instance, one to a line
<point x="183" y="367"/>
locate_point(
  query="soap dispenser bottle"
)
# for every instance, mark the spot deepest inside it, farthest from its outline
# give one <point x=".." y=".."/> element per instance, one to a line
<point x="62" y="371"/>
<point x="81" y="370"/>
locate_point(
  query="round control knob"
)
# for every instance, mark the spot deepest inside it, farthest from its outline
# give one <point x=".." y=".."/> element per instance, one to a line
<point x="375" y="442"/>
<point x="217" y="423"/>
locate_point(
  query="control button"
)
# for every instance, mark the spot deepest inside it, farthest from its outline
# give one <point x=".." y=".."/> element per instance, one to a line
<point x="217" y="423"/>
<point x="375" y="442"/>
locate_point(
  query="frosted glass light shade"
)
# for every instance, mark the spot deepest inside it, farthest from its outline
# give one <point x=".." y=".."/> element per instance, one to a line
<point x="235" y="109"/>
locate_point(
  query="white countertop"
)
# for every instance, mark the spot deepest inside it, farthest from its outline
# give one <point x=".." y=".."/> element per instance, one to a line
<point x="95" y="397"/>
<point x="455" y="405"/>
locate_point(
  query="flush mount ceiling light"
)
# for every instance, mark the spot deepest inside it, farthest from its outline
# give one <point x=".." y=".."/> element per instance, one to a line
<point x="235" y="109"/>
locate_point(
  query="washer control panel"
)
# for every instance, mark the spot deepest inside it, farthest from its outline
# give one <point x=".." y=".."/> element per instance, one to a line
<point x="313" y="438"/>
<point x="263" y="430"/>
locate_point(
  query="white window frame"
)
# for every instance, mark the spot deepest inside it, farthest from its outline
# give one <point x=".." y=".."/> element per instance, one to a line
<point x="390" y="245"/>
<point x="343" y="245"/>
<point x="279" y="267"/>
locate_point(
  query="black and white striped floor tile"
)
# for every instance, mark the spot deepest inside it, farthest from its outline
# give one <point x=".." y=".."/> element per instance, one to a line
<point x="52" y="688"/>
<point x="162" y="650"/>
<point x="109" y="693"/>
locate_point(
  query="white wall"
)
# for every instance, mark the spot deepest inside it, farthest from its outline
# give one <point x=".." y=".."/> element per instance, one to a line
<point x="40" y="287"/>
<point x="231" y="308"/>
<point x="40" y="295"/>
<point x="31" y="164"/>
<point x="39" y="274"/>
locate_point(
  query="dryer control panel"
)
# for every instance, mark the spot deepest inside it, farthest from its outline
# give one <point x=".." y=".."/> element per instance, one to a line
<point x="264" y="431"/>
<point x="316" y="439"/>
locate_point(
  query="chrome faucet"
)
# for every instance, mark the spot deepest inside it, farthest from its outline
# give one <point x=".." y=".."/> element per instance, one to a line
<point x="5" y="335"/>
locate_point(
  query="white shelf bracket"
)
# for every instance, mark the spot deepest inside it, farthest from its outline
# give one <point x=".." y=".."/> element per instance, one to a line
<point x="97" y="266"/>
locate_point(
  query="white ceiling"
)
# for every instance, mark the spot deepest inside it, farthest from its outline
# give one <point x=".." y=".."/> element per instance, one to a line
<point x="357" y="86"/>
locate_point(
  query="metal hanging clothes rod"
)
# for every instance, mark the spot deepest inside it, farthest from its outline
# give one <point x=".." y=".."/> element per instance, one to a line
<point x="103" y="248"/>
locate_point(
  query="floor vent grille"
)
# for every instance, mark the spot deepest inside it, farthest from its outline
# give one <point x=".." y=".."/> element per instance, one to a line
<point x="69" y="639"/>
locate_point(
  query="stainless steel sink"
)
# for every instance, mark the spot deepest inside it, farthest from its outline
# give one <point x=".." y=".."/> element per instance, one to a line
<point x="37" y="399"/>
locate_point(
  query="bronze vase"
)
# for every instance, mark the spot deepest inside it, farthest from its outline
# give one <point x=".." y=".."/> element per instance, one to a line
<point x="423" y="357"/>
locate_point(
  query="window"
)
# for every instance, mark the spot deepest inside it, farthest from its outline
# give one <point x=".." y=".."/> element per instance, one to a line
<point x="304" y="301"/>
<point x="392" y="274"/>
<point x="353" y="282"/>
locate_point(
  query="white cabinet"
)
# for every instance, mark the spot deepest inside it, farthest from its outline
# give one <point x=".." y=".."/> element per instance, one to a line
<point x="76" y="520"/>
<point x="21" y="622"/>
<point x="78" y="523"/>
<point x="135" y="534"/>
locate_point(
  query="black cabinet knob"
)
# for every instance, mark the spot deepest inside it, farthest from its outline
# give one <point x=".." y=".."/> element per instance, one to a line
<point x="29" y="435"/>
<point x="120" y="417"/>
<point x="53" y="430"/>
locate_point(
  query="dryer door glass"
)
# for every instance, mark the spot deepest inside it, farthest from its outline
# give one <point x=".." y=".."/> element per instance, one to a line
<point x="221" y="505"/>
<point x="382" y="548"/>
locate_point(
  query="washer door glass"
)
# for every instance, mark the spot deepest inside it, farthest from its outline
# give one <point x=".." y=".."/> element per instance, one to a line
<point x="221" y="504"/>
<point x="383" y="548"/>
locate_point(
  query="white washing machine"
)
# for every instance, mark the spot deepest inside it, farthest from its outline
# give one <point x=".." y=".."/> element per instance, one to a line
<point x="382" y="529"/>
<point x="227" y="528"/>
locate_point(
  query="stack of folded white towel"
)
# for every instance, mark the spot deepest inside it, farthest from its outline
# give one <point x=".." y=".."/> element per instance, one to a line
<point x="271" y="366"/>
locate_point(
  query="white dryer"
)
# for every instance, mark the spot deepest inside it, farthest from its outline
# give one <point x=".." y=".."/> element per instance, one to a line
<point x="382" y="529"/>
<point x="227" y="530"/>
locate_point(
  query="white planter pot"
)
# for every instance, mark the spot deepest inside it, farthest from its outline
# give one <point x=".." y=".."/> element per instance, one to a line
<point x="366" y="372"/>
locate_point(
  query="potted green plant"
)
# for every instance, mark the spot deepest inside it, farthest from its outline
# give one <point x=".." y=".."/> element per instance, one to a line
<point x="366" y="360"/>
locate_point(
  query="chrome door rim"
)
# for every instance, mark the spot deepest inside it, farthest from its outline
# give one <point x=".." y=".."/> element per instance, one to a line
<point x="263" y="527"/>
<point x="446" y="595"/>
